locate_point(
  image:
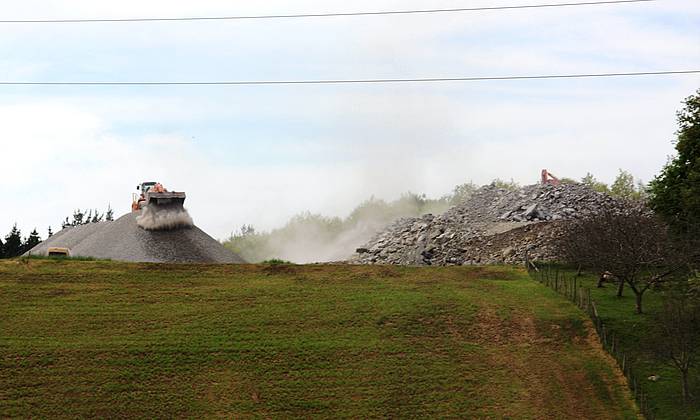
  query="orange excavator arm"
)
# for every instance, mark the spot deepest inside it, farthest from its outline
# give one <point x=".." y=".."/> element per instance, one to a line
<point x="548" y="178"/>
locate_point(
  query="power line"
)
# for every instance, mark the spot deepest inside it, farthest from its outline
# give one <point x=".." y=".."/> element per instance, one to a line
<point x="354" y="81"/>
<point x="319" y="15"/>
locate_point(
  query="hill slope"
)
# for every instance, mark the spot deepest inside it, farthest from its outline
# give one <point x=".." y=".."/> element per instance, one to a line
<point x="105" y="339"/>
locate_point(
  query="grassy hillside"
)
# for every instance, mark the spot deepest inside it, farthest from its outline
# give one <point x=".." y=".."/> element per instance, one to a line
<point x="634" y="332"/>
<point x="104" y="339"/>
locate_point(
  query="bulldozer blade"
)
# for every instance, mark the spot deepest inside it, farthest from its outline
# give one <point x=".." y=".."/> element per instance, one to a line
<point x="170" y="200"/>
<point x="164" y="211"/>
<point x="166" y="202"/>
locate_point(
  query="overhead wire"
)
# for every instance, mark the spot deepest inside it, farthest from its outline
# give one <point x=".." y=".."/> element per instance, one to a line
<point x="348" y="81"/>
<point x="322" y="15"/>
<point x="338" y="81"/>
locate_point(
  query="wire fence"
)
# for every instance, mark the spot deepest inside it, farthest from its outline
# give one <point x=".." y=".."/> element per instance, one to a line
<point x="571" y="287"/>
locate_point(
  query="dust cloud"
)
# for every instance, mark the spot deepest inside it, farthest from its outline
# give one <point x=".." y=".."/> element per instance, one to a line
<point x="308" y="237"/>
<point x="163" y="219"/>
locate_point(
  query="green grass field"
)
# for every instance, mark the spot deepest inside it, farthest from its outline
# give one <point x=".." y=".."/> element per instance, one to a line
<point x="106" y="339"/>
<point x="634" y="330"/>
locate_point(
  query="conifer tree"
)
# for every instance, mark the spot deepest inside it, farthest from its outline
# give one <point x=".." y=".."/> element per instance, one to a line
<point x="13" y="243"/>
<point x="33" y="240"/>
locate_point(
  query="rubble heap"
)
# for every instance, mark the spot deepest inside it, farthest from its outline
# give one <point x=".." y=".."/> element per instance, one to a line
<point x="493" y="226"/>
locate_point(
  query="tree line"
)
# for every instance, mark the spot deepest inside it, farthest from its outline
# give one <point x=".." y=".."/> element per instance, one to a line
<point x="14" y="245"/>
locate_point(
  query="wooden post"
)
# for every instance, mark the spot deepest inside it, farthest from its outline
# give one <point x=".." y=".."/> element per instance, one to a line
<point x="602" y="336"/>
<point x="624" y="365"/>
<point x="612" y="343"/>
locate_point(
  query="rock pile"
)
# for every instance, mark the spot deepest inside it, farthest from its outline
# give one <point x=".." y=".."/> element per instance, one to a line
<point x="124" y="240"/>
<point x="493" y="226"/>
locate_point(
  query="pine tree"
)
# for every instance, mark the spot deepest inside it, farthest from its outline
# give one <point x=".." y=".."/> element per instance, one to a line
<point x="33" y="240"/>
<point x="13" y="243"/>
<point x="97" y="217"/>
<point x="2" y="249"/>
<point x="77" y="218"/>
<point x="109" y="216"/>
<point x="50" y="233"/>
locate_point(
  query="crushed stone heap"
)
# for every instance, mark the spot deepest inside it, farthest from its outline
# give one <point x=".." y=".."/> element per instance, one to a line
<point x="493" y="226"/>
<point x="124" y="240"/>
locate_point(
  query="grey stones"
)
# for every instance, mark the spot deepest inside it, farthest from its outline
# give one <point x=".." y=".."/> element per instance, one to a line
<point x="531" y="212"/>
<point x="124" y="240"/>
<point x="493" y="226"/>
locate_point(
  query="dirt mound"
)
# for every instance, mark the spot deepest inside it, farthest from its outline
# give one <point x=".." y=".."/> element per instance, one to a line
<point x="124" y="240"/>
<point x="494" y="225"/>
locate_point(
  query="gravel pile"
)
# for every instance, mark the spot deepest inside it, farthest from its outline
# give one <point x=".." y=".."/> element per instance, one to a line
<point x="124" y="240"/>
<point x="493" y="226"/>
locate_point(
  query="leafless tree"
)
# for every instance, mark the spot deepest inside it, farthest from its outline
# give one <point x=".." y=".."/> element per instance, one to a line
<point x="633" y="246"/>
<point x="678" y="336"/>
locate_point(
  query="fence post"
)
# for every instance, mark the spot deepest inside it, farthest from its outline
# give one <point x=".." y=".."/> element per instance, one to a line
<point x="624" y="363"/>
<point x="603" y="337"/>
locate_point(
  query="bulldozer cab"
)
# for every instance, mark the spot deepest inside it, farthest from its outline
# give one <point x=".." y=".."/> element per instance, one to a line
<point x="144" y="187"/>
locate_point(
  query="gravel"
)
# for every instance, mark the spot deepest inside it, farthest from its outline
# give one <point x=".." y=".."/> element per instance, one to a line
<point x="493" y="226"/>
<point x="124" y="240"/>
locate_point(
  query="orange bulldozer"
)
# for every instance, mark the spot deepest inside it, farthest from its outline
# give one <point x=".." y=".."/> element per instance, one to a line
<point x="155" y="195"/>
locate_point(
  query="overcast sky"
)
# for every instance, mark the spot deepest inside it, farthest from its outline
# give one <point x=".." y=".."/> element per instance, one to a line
<point x="260" y="154"/>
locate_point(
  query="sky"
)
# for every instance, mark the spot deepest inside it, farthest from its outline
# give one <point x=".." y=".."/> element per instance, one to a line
<point x="261" y="154"/>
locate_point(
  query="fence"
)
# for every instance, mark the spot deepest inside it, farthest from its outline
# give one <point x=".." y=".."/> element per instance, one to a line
<point x="571" y="288"/>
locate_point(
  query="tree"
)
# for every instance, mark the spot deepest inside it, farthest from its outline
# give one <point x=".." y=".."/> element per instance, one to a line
<point x="81" y="217"/>
<point x="635" y="247"/>
<point x="33" y="240"/>
<point x="247" y="230"/>
<point x="2" y="249"/>
<point x="96" y="218"/>
<point x="678" y="336"/>
<point x="50" y="232"/>
<point x="506" y="185"/>
<point x="590" y="181"/>
<point x="462" y="192"/>
<point x="78" y="216"/>
<point x="13" y="243"/>
<point x="675" y="192"/>
<point x="624" y="186"/>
